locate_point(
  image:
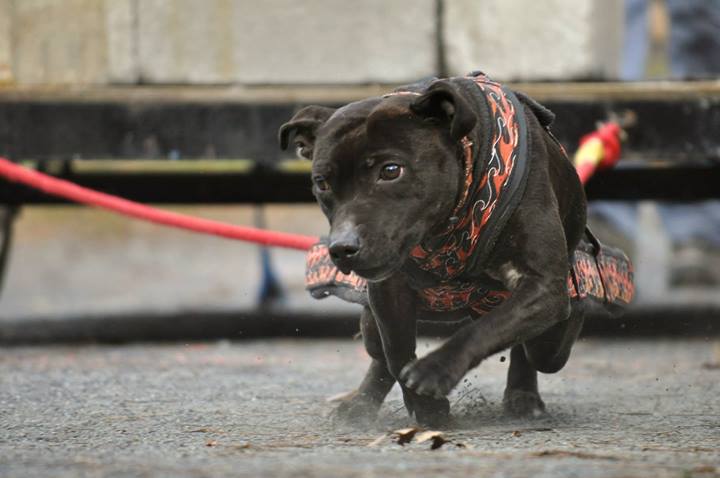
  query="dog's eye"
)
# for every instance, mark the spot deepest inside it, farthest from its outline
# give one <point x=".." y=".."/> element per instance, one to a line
<point x="390" y="172"/>
<point x="321" y="183"/>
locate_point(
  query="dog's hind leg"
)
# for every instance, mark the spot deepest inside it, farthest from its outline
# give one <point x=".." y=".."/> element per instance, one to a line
<point x="364" y="403"/>
<point x="547" y="353"/>
<point x="521" y="396"/>
<point x="550" y="351"/>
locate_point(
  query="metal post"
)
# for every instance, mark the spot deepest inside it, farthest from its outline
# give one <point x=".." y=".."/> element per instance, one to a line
<point x="7" y="220"/>
<point x="271" y="291"/>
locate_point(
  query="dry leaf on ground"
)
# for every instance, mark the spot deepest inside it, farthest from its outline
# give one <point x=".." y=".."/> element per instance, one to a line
<point x="438" y="438"/>
<point x="405" y="435"/>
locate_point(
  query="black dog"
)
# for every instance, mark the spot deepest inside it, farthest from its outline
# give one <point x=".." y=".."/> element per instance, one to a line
<point x="451" y="198"/>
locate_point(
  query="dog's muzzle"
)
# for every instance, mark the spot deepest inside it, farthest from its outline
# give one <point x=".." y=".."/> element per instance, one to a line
<point x="344" y="248"/>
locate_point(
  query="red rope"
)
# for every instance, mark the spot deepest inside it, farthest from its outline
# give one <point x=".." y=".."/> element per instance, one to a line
<point x="73" y="192"/>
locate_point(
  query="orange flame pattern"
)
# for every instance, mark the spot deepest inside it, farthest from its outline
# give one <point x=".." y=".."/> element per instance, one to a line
<point x="606" y="276"/>
<point x="446" y="254"/>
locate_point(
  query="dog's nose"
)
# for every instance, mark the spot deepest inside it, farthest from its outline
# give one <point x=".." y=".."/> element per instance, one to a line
<point x="344" y="248"/>
<point x="344" y="245"/>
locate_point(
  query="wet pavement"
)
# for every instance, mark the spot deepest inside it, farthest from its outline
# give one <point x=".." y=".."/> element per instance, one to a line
<point x="630" y="407"/>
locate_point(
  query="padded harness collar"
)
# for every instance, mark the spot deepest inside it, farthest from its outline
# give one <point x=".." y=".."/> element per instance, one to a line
<point x="441" y="267"/>
<point x="495" y="174"/>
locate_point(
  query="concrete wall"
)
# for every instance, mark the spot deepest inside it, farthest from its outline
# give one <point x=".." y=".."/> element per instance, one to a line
<point x="5" y="37"/>
<point x="302" y="42"/>
<point x="59" y="41"/>
<point x="526" y="40"/>
<point x="286" y="41"/>
<point x="121" y="23"/>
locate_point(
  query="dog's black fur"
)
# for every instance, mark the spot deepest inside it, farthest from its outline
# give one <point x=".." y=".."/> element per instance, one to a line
<point x="375" y="222"/>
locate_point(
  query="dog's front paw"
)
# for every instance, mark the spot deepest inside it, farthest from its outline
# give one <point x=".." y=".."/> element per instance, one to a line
<point x="521" y="403"/>
<point x="432" y="375"/>
<point x="428" y="411"/>
<point x="357" y="410"/>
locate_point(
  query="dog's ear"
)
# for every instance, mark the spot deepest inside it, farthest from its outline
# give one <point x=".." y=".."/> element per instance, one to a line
<point x="444" y="102"/>
<point x="544" y="115"/>
<point x="304" y="125"/>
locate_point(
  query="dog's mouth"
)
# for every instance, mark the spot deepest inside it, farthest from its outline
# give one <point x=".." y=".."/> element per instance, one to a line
<point x="372" y="264"/>
<point x="370" y="270"/>
<point x="374" y="274"/>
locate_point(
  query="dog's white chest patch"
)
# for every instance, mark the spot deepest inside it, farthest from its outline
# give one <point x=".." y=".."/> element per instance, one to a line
<point x="511" y="276"/>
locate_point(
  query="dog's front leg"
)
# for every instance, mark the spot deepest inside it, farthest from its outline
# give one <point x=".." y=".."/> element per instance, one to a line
<point x="536" y="304"/>
<point x="361" y="407"/>
<point x="394" y="306"/>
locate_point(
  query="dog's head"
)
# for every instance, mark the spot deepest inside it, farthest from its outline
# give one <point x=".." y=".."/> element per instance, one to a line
<point x="386" y="171"/>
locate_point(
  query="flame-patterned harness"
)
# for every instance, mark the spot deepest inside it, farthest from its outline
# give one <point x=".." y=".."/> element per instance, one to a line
<point x="494" y="181"/>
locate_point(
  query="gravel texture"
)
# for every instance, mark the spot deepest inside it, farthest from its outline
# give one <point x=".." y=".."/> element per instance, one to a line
<point x="645" y="408"/>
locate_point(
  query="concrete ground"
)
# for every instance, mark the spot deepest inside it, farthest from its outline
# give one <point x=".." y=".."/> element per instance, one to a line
<point x="630" y="407"/>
